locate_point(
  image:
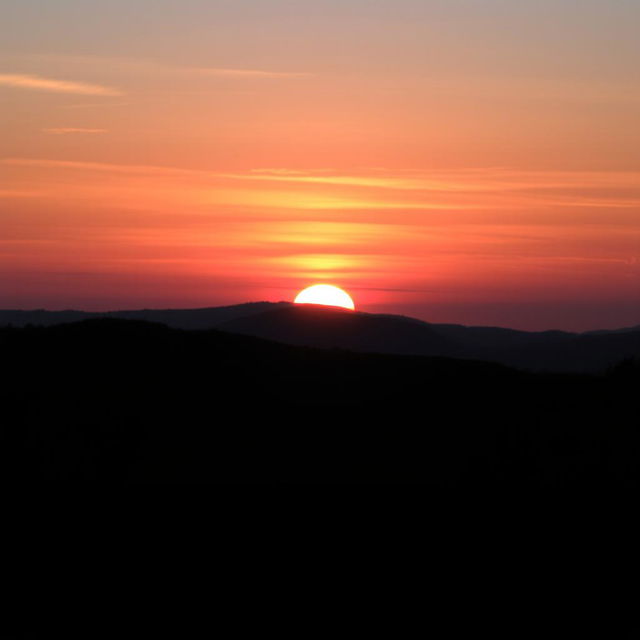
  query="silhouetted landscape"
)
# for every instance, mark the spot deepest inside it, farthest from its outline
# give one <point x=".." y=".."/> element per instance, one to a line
<point x="326" y="327"/>
<point x="383" y="168"/>
<point x="356" y="398"/>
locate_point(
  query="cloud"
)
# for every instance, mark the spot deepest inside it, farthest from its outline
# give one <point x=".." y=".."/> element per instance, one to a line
<point x="393" y="290"/>
<point x="458" y="190"/>
<point x="64" y="130"/>
<point x="103" y="167"/>
<point x="7" y="193"/>
<point x="38" y="83"/>
<point x="95" y="105"/>
<point x="245" y="73"/>
<point x="145" y="66"/>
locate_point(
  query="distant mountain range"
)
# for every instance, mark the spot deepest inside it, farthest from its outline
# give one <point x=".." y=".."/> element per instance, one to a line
<point x="331" y="328"/>
<point x="206" y="318"/>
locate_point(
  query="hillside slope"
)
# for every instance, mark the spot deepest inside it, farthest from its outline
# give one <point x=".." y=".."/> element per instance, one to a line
<point x="309" y="325"/>
<point x="205" y="318"/>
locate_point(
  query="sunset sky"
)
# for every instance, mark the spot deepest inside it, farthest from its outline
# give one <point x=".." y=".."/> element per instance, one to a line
<point x="467" y="161"/>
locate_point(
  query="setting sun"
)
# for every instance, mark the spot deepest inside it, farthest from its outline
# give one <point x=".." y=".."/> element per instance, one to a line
<point x="325" y="294"/>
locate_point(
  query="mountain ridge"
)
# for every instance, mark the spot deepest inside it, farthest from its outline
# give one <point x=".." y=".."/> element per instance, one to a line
<point x="309" y="325"/>
<point x="45" y="317"/>
<point x="331" y="327"/>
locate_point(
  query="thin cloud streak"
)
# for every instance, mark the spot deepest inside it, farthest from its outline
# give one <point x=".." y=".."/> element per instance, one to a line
<point x="8" y="193"/>
<point x="95" y="105"/>
<point x="489" y="180"/>
<point x="522" y="188"/>
<point x="38" y="83"/>
<point x="65" y="130"/>
<point x="102" y="166"/>
<point x="245" y="73"/>
<point x="147" y="66"/>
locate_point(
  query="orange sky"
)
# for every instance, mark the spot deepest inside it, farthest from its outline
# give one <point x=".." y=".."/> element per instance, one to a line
<point x="449" y="161"/>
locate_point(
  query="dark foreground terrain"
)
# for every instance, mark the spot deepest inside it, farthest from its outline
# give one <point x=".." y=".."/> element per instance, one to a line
<point x="108" y="400"/>
<point x="326" y="327"/>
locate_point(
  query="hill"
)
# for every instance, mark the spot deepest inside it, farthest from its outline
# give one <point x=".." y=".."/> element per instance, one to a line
<point x="205" y="318"/>
<point x="124" y="401"/>
<point x="325" y="327"/>
<point x="309" y="325"/>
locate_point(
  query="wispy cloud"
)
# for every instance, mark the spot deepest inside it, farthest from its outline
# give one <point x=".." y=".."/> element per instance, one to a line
<point x="245" y="73"/>
<point x="64" y="130"/>
<point x="95" y="105"/>
<point x="144" y="66"/>
<point x="39" y="83"/>
<point x="491" y="179"/>
<point x="102" y="166"/>
<point x="8" y="193"/>
<point x="493" y="188"/>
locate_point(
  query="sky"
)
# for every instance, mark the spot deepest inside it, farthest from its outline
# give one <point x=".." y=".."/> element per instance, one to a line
<point x="464" y="161"/>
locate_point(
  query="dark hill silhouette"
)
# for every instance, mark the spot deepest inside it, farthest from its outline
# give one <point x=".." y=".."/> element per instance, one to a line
<point x="622" y="330"/>
<point x="112" y="400"/>
<point x="205" y="318"/>
<point x="310" y="325"/>
<point x="326" y="327"/>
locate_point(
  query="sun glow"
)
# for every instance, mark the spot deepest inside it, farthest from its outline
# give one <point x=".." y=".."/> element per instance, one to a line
<point x="325" y="294"/>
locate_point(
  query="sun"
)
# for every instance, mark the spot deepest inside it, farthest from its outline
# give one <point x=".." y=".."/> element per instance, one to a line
<point x="325" y="294"/>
